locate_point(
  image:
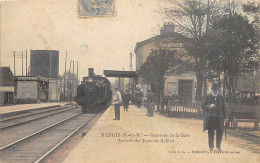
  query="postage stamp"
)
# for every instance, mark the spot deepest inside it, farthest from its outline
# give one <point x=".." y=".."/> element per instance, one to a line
<point x="96" y="8"/>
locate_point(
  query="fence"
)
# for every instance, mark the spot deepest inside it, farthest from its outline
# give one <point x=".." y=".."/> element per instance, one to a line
<point x="184" y="108"/>
<point x="192" y="109"/>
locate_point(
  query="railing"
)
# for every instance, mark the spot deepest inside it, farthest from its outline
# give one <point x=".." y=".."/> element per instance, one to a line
<point x="241" y="102"/>
<point x="192" y="109"/>
<point x="184" y="108"/>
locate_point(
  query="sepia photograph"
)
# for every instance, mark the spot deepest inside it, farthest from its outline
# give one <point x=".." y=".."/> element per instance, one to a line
<point x="129" y="81"/>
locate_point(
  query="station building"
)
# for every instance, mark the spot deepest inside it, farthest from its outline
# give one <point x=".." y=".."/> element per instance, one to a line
<point x="31" y="89"/>
<point x="54" y="89"/>
<point x="41" y="84"/>
<point x="183" y="85"/>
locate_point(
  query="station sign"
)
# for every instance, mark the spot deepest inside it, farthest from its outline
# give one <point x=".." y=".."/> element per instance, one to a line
<point x="31" y="78"/>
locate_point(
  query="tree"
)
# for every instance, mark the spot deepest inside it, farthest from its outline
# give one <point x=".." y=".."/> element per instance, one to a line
<point x="153" y="71"/>
<point x="157" y="64"/>
<point x="71" y="83"/>
<point x="234" y="48"/>
<point x="252" y="9"/>
<point x="194" y="18"/>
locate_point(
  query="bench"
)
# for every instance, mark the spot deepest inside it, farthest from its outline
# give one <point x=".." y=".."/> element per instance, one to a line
<point x="244" y="114"/>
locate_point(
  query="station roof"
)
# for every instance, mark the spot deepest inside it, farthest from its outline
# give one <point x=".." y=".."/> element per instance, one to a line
<point x="6" y="77"/>
<point x="122" y="74"/>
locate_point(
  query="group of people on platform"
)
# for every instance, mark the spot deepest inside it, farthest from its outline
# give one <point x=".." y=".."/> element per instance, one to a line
<point x="121" y="98"/>
<point x="126" y="98"/>
<point x="213" y="106"/>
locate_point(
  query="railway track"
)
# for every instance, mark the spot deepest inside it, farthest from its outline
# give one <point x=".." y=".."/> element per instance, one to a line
<point x="25" y="112"/>
<point x="38" y="145"/>
<point x="17" y="115"/>
<point x="20" y="119"/>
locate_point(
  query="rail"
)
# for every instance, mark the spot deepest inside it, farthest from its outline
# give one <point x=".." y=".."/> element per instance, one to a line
<point x="54" y="112"/>
<point x="36" y="133"/>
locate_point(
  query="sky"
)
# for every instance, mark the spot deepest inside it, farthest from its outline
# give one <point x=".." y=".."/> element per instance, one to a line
<point x="101" y="43"/>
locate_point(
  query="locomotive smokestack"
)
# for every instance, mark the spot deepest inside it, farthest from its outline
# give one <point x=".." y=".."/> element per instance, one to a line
<point x="91" y="72"/>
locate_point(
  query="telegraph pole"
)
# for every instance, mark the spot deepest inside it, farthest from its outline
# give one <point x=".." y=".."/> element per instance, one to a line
<point x="77" y="81"/>
<point x="70" y="81"/>
<point x="73" y="80"/>
<point x="65" y="77"/>
<point x="14" y="63"/>
<point x="26" y="62"/>
<point x="77" y="73"/>
<point x="22" y="63"/>
<point x="18" y="55"/>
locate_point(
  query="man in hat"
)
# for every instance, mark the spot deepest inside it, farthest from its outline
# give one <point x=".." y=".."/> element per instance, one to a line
<point x="117" y="100"/>
<point x="214" y="112"/>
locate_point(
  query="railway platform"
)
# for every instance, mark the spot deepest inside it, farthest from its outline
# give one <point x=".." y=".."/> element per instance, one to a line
<point x="139" y="138"/>
<point x="23" y="107"/>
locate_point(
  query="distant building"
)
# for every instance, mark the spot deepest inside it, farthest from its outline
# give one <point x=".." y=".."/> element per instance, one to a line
<point x="182" y="85"/>
<point x="44" y="63"/>
<point x="54" y="89"/>
<point x="31" y="89"/>
<point x="168" y="39"/>
<point x="6" y="86"/>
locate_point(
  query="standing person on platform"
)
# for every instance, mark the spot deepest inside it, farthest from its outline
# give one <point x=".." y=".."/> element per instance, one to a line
<point x="139" y="97"/>
<point x="117" y="100"/>
<point x="150" y="103"/>
<point x="214" y="112"/>
<point x="126" y="100"/>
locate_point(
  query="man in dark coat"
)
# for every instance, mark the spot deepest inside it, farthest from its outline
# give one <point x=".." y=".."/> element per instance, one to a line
<point x="138" y="96"/>
<point x="214" y="112"/>
<point x="126" y="99"/>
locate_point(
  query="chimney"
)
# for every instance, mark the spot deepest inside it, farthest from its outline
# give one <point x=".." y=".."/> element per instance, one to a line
<point x="91" y="72"/>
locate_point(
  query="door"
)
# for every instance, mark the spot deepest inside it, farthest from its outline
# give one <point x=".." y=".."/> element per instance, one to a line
<point x="185" y="91"/>
<point x="8" y="97"/>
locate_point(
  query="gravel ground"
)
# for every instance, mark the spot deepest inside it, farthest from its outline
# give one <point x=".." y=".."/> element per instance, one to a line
<point x="138" y="138"/>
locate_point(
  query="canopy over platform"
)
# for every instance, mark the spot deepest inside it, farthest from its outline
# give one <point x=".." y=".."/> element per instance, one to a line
<point x="121" y="74"/>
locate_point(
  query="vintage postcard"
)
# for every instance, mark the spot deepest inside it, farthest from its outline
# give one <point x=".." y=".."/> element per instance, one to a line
<point x="129" y="81"/>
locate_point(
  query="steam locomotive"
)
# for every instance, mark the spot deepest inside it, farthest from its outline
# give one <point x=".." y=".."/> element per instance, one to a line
<point x="94" y="93"/>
